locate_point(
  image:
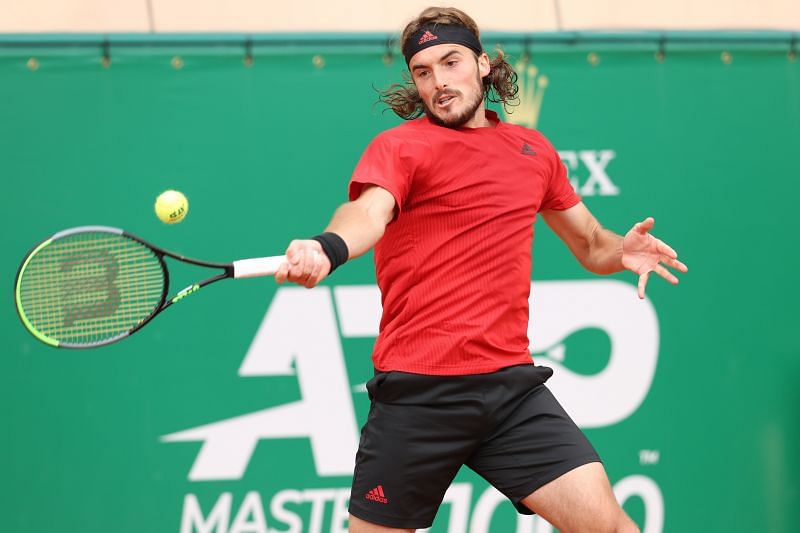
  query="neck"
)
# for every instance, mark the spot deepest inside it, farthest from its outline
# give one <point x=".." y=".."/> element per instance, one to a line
<point x="479" y="119"/>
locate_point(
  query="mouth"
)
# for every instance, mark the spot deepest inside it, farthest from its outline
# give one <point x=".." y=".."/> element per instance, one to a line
<point x="444" y="101"/>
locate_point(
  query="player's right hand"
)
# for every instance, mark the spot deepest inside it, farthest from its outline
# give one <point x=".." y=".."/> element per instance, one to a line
<point x="306" y="264"/>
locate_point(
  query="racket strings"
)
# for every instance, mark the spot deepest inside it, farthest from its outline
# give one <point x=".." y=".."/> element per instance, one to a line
<point x="90" y="287"/>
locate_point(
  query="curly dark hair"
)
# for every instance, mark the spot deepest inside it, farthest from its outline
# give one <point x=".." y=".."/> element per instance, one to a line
<point x="500" y="85"/>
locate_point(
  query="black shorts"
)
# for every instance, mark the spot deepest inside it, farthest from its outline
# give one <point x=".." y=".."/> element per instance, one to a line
<point x="506" y="426"/>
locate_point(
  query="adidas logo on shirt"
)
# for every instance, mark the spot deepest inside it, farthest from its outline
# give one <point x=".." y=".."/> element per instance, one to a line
<point x="527" y="150"/>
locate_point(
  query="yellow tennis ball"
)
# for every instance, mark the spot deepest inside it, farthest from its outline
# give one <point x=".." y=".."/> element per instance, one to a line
<point x="171" y="206"/>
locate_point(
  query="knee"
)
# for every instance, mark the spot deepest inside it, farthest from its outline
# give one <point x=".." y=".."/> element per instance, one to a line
<point x="628" y="527"/>
<point x="615" y="523"/>
<point x="624" y="524"/>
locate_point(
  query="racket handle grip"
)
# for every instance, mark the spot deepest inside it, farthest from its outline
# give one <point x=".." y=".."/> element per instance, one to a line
<point x="259" y="266"/>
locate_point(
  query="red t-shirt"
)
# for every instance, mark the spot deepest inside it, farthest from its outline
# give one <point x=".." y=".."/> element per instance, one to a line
<point x="454" y="266"/>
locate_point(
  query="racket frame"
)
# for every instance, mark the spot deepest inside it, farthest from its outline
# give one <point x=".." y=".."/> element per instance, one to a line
<point x="163" y="303"/>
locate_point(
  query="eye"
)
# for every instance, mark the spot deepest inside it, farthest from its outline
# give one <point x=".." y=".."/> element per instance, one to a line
<point x="452" y="63"/>
<point x="422" y="73"/>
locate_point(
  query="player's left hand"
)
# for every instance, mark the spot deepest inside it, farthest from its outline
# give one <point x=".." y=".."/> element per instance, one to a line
<point x="642" y="253"/>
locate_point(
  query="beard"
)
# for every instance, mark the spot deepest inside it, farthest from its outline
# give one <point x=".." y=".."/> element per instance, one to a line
<point x="464" y="116"/>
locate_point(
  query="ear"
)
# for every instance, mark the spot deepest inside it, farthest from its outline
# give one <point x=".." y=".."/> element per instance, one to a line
<point x="483" y="65"/>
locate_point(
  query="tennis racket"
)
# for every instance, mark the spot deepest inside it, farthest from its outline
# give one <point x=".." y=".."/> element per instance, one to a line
<point x="93" y="285"/>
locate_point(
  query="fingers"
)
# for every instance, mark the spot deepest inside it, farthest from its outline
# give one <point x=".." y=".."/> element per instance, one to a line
<point x="665" y="249"/>
<point x="306" y="264"/>
<point x="674" y="263"/>
<point x="644" y="226"/>
<point x="294" y="253"/>
<point x="666" y="274"/>
<point x="661" y="271"/>
<point x="298" y="271"/>
<point x="302" y="266"/>
<point x="282" y="274"/>
<point x="653" y="248"/>
<point x="642" y="284"/>
<point x="316" y="269"/>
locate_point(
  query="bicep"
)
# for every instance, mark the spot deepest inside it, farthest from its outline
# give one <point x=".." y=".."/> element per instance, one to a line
<point x="378" y="203"/>
<point x="362" y="221"/>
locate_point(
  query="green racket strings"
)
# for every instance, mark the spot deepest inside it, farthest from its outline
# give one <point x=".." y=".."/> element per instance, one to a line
<point x="89" y="287"/>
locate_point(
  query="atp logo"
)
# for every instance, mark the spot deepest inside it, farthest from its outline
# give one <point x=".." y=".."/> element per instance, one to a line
<point x="301" y="334"/>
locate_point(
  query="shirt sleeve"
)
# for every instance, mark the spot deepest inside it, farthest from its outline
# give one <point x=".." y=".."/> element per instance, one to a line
<point x="560" y="194"/>
<point x="389" y="162"/>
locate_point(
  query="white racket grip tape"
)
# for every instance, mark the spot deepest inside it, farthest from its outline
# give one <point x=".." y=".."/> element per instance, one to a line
<point x="259" y="266"/>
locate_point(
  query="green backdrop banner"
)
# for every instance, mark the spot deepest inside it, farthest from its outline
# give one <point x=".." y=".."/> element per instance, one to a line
<point x="239" y="410"/>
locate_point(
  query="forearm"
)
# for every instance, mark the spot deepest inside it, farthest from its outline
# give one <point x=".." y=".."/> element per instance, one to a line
<point x="596" y="248"/>
<point x="358" y="225"/>
<point x="603" y="252"/>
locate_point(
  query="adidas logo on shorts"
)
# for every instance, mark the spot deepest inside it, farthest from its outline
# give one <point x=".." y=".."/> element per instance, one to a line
<point x="377" y="495"/>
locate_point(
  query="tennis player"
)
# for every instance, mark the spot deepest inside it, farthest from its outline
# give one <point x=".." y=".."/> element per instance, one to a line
<point x="448" y="201"/>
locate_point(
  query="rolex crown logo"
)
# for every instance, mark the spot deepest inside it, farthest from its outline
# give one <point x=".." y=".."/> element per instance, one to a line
<point x="532" y="86"/>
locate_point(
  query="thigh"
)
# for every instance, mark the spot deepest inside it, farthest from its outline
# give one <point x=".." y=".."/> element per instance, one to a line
<point x="410" y="450"/>
<point x="580" y="501"/>
<point x="533" y="442"/>
<point x="361" y="526"/>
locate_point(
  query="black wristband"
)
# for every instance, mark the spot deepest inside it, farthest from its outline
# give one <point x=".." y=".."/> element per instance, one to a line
<point x="334" y="247"/>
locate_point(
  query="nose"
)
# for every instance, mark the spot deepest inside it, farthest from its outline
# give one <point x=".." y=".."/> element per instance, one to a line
<point x="438" y="81"/>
